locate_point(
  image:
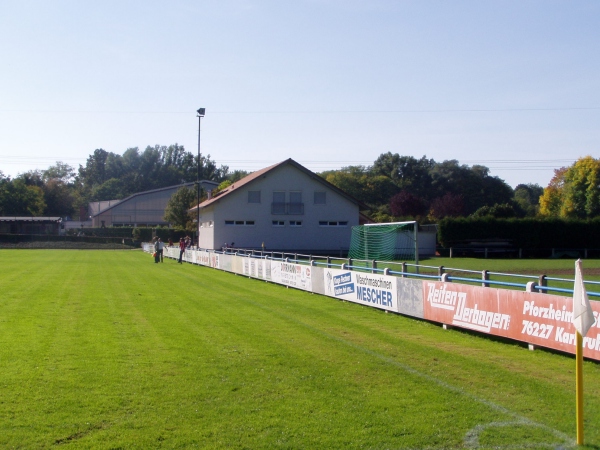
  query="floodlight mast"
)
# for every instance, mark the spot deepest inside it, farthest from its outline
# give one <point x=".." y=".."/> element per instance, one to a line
<point x="201" y="112"/>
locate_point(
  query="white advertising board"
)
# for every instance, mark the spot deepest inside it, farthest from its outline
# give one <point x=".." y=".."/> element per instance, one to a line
<point x="377" y="291"/>
<point x="293" y="275"/>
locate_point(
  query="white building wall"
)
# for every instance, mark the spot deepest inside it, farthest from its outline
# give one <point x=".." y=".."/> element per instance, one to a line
<point x="310" y="235"/>
<point x="207" y="229"/>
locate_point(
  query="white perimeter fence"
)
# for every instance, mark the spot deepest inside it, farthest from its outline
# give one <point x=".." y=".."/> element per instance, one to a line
<point x="535" y="318"/>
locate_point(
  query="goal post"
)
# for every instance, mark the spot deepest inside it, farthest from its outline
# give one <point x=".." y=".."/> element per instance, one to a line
<point x="389" y="241"/>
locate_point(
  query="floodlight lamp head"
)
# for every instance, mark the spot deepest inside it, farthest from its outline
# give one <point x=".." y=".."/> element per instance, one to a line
<point x="201" y="112"/>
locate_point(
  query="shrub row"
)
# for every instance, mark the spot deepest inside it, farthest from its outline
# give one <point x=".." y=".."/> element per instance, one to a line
<point x="521" y="233"/>
<point x="138" y="233"/>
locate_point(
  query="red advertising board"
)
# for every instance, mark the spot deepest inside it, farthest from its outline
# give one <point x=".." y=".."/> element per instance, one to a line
<point x="539" y="319"/>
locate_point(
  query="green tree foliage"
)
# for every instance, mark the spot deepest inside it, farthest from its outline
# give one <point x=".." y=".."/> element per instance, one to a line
<point x="112" y="189"/>
<point x="19" y="199"/>
<point x="237" y="175"/>
<point x="527" y="197"/>
<point x="404" y="186"/>
<point x="365" y="186"/>
<point x="503" y="211"/>
<point x="406" y="172"/>
<point x="474" y="184"/>
<point x="177" y="210"/>
<point x="573" y="192"/>
<point x="108" y="175"/>
<point x="349" y="179"/>
<point x="61" y="172"/>
<point x="59" y="198"/>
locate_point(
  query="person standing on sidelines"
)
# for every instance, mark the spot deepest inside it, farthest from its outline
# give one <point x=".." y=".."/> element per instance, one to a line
<point x="181" y="249"/>
<point x="161" y="246"/>
<point x="156" y="254"/>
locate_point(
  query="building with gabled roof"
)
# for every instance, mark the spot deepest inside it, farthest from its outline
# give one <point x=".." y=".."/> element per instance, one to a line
<point x="143" y="208"/>
<point x="283" y="207"/>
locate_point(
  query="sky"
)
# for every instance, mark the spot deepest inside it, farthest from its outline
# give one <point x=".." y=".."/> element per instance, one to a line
<point x="511" y="85"/>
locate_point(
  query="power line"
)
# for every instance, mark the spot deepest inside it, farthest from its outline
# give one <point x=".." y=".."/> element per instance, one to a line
<point x="375" y="111"/>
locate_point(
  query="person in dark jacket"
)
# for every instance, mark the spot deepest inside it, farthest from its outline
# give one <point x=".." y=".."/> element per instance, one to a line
<point x="181" y="249"/>
<point x="156" y="251"/>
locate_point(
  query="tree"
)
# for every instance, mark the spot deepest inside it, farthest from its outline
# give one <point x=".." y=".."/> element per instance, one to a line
<point x="552" y="198"/>
<point x="177" y="210"/>
<point x="94" y="172"/>
<point x="60" y="171"/>
<point x="407" y="172"/>
<point x="573" y="192"/>
<point x="582" y="189"/>
<point x="350" y="180"/>
<point x="527" y="198"/>
<point x="237" y="175"/>
<point x="474" y="184"/>
<point x="503" y="211"/>
<point x="449" y="205"/>
<point x="112" y="189"/>
<point x="405" y="204"/>
<point x="19" y="199"/>
<point x="59" y="198"/>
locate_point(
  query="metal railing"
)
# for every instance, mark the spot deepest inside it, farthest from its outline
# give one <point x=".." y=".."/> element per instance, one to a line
<point x="536" y="283"/>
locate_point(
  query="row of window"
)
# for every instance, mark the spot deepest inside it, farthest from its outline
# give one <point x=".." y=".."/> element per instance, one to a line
<point x="295" y="197"/>
<point x="292" y="223"/>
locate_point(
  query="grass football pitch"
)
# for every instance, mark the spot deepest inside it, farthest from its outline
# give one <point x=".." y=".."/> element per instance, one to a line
<point x="105" y="349"/>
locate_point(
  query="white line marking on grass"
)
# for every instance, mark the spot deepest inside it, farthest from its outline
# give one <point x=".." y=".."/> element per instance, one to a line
<point x="471" y="439"/>
<point x="472" y="436"/>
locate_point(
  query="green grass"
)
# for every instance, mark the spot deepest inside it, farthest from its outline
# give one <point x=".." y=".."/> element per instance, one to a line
<point x="104" y="349"/>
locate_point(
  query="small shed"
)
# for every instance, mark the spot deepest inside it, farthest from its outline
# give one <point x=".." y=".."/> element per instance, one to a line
<point x="30" y="225"/>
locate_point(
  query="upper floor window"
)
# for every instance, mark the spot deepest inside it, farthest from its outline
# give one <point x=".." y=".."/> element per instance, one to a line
<point x="293" y="207"/>
<point x="278" y="206"/>
<point x="320" y="198"/>
<point x="253" y="196"/>
<point x="296" y="206"/>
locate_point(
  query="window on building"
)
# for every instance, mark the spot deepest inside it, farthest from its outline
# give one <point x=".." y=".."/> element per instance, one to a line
<point x="239" y="223"/>
<point x="253" y="196"/>
<point x="295" y="223"/>
<point x="278" y="223"/>
<point x="278" y="206"/>
<point x="320" y="198"/>
<point x="296" y="206"/>
<point x="333" y="223"/>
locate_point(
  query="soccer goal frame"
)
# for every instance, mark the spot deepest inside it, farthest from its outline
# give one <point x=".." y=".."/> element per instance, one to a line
<point x="415" y="238"/>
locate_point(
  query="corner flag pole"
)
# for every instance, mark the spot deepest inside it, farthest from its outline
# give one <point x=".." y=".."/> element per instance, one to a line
<point x="579" y="387"/>
<point x="583" y="319"/>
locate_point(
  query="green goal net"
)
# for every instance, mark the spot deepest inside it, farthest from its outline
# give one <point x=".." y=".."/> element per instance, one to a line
<point x="385" y="242"/>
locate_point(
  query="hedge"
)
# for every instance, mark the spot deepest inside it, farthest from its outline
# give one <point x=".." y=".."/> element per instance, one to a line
<point x="521" y="233"/>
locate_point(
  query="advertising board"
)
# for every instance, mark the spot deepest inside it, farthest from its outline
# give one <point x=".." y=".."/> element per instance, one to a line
<point x="290" y="274"/>
<point x="538" y="319"/>
<point x="377" y="291"/>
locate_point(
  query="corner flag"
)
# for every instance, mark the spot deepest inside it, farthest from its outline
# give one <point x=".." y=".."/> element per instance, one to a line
<point x="583" y="316"/>
<point x="583" y="319"/>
